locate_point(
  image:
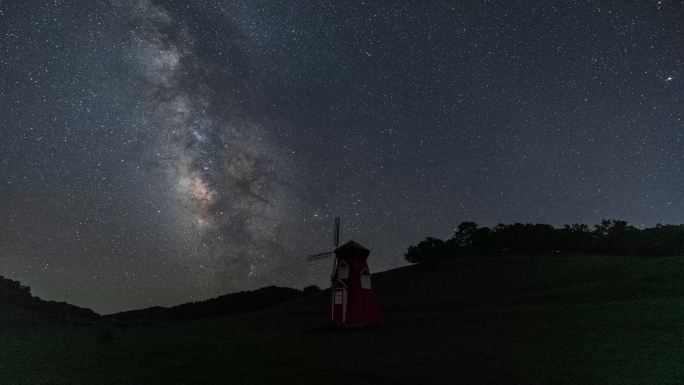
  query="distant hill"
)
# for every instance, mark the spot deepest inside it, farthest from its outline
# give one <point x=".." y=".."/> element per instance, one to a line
<point x="17" y="305"/>
<point x="225" y="305"/>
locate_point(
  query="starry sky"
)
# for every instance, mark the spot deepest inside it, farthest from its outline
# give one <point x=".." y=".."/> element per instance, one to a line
<point x="156" y="152"/>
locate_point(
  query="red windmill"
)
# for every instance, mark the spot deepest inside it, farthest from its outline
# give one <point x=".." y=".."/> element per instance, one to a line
<point x="353" y="300"/>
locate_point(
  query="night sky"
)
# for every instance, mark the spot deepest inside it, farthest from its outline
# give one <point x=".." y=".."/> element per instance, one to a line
<point x="157" y="152"/>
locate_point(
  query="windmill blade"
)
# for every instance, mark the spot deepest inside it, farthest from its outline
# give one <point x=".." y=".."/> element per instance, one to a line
<point x="319" y="256"/>
<point x="337" y="231"/>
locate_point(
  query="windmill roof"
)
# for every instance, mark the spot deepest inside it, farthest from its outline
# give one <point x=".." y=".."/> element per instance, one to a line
<point x="352" y="245"/>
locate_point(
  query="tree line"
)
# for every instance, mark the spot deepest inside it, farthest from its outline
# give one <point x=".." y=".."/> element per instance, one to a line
<point x="610" y="237"/>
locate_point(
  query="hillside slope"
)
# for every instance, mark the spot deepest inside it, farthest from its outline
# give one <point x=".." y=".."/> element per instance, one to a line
<point x="225" y="305"/>
<point x="17" y="305"/>
<point x="580" y="320"/>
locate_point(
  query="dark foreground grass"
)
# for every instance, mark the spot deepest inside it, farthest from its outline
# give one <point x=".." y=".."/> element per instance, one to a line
<point x="581" y="320"/>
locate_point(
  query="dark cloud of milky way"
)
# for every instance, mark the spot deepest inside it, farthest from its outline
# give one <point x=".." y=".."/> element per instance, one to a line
<point x="154" y="152"/>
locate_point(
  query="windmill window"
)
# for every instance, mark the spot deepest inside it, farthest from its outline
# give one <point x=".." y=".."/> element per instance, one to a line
<point x="343" y="272"/>
<point x="365" y="281"/>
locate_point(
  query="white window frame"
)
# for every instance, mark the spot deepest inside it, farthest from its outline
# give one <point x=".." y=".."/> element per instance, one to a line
<point x="365" y="273"/>
<point x="343" y="267"/>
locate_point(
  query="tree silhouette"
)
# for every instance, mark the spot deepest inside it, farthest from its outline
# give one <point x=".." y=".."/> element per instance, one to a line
<point x="615" y="237"/>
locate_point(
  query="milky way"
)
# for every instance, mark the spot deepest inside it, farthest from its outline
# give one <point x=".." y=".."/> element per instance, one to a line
<point x="230" y="181"/>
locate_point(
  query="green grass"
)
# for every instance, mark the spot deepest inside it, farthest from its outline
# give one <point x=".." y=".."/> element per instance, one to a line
<point x="580" y="320"/>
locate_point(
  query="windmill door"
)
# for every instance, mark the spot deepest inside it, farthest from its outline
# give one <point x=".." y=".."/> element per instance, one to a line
<point x="339" y="305"/>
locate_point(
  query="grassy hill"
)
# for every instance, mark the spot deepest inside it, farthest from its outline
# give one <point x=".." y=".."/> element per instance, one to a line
<point x="580" y="320"/>
<point x="225" y="305"/>
<point x="17" y="305"/>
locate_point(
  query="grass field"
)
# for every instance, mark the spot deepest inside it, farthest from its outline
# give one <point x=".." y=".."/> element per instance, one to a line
<point x="553" y="320"/>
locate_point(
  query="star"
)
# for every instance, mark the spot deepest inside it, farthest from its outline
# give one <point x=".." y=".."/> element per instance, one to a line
<point x="226" y="134"/>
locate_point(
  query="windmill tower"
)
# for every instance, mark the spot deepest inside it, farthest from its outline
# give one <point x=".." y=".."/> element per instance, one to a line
<point x="353" y="301"/>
